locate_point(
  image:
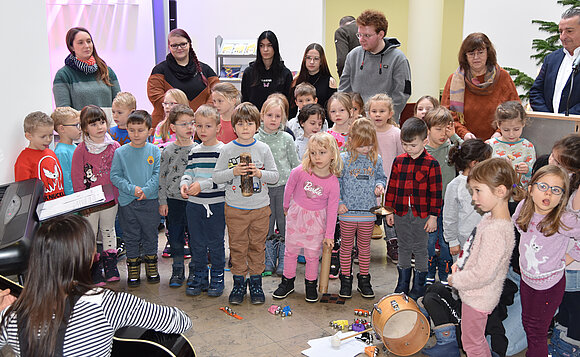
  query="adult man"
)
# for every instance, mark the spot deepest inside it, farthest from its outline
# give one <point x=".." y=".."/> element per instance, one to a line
<point x="345" y="40"/>
<point x="377" y="65"/>
<point x="549" y="93"/>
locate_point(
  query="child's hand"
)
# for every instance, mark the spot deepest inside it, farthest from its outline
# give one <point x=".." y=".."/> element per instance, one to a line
<point x="469" y="136"/>
<point x="449" y="279"/>
<point x="194" y="189"/>
<point x="240" y="169"/>
<point x="450" y="130"/>
<point x="329" y="243"/>
<point x="455" y="250"/>
<point x="522" y="168"/>
<point x="454" y="268"/>
<point x="390" y="219"/>
<point x="342" y="208"/>
<point x="163" y="209"/>
<point x="379" y="190"/>
<point x="6" y="299"/>
<point x="569" y="259"/>
<point x="142" y="197"/>
<point x="431" y="224"/>
<point x="254" y="171"/>
<point x="183" y="191"/>
<point x="285" y="211"/>
<point x="138" y="191"/>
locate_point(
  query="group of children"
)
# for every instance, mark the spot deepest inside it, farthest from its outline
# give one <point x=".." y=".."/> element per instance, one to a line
<point x="302" y="176"/>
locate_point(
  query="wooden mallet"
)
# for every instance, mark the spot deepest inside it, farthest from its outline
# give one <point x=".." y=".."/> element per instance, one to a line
<point x="325" y="269"/>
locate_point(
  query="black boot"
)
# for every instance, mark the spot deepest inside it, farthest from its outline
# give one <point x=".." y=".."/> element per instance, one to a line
<point x="311" y="293"/>
<point x="285" y="288"/>
<point x="364" y="286"/>
<point x="151" y="269"/>
<point x="255" y="287"/>
<point x="238" y="291"/>
<point x="345" y="286"/>
<point x="418" y="289"/>
<point x="404" y="280"/>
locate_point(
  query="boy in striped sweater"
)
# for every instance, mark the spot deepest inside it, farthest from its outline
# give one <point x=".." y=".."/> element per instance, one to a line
<point x="205" y="206"/>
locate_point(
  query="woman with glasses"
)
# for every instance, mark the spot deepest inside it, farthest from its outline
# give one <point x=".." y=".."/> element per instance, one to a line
<point x="181" y="69"/>
<point x="267" y="74"/>
<point x="476" y="88"/>
<point x="85" y="78"/>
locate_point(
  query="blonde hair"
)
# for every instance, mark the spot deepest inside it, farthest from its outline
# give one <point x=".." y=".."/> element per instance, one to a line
<point x="343" y="99"/>
<point x="207" y="111"/>
<point x="382" y="97"/>
<point x="35" y="120"/>
<point x="126" y="100"/>
<point x="272" y="103"/>
<point x="497" y="172"/>
<point x="328" y="142"/>
<point x="362" y="133"/>
<point x="284" y="100"/>
<point x="180" y="98"/>
<point x="63" y="114"/>
<point x="229" y="91"/>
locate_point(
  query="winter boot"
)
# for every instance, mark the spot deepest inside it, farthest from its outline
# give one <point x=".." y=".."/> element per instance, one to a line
<point x="256" y="293"/>
<point x="393" y="250"/>
<point x="271" y="255"/>
<point x="446" y="342"/>
<point x="195" y="282"/>
<point x="364" y="286"/>
<point x="97" y="271"/>
<point x="560" y="348"/>
<point x="177" y="276"/>
<point x="431" y="269"/>
<point x="238" y="291"/>
<point x="345" y="286"/>
<point x="281" y="250"/>
<point x="418" y="289"/>
<point x="151" y="269"/>
<point x="133" y="272"/>
<point x="444" y="270"/>
<point x="285" y="288"/>
<point x="216" y="285"/>
<point x="109" y="259"/>
<point x="403" y="281"/>
<point x="311" y="293"/>
<point x="335" y="260"/>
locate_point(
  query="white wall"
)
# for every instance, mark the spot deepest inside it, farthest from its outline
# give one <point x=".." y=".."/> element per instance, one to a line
<point x="296" y="23"/>
<point x="508" y="24"/>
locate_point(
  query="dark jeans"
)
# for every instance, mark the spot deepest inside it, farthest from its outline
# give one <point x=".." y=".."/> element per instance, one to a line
<point x="206" y="234"/>
<point x="176" y="225"/>
<point x="139" y="221"/>
<point x="438" y="236"/>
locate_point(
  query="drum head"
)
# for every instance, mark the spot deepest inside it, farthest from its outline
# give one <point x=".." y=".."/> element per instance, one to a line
<point x="400" y="324"/>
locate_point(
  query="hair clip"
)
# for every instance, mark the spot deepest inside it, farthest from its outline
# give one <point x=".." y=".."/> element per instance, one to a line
<point x="458" y="147"/>
<point x="514" y="185"/>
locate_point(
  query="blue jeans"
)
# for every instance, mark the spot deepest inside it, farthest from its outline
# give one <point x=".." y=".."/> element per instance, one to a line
<point x="514" y="329"/>
<point x="438" y="236"/>
<point x="176" y="224"/>
<point x="139" y="221"/>
<point x="206" y="234"/>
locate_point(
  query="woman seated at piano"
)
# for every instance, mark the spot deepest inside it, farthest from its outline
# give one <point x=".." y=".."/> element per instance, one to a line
<point x="60" y="312"/>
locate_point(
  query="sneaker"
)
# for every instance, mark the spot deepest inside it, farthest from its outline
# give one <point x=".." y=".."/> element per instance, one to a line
<point x="364" y="286"/>
<point x="255" y="286"/>
<point x="345" y="286"/>
<point x="393" y="250"/>
<point x="97" y="271"/>
<point x="109" y="259"/>
<point x="186" y="251"/>
<point x="285" y="288"/>
<point x="166" y="251"/>
<point x="238" y="291"/>
<point x="311" y="293"/>
<point x="177" y="277"/>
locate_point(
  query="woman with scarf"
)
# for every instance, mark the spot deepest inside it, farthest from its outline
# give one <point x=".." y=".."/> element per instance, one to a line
<point x="85" y="78"/>
<point x="476" y="88"/>
<point x="182" y="70"/>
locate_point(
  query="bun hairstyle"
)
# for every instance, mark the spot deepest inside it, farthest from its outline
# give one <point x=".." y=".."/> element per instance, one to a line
<point x="497" y="172"/>
<point x="461" y="155"/>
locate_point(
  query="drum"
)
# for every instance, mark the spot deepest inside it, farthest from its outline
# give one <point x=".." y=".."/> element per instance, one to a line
<point x="399" y="323"/>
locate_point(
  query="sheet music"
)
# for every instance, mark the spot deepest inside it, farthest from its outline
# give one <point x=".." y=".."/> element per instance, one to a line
<point x="70" y="203"/>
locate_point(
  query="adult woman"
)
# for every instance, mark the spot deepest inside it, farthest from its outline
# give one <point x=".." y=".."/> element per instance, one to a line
<point x="267" y="74"/>
<point x="314" y="70"/>
<point x="476" y="88"/>
<point x="182" y="70"/>
<point x="59" y="272"/>
<point x="85" y="78"/>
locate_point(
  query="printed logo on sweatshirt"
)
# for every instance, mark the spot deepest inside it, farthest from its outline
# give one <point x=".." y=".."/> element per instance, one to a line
<point x="150" y="160"/>
<point x="312" y="190"/>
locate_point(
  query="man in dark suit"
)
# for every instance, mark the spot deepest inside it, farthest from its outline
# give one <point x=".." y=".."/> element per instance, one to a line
<point x="550" y="90"/>
<point x="345" y="40"/>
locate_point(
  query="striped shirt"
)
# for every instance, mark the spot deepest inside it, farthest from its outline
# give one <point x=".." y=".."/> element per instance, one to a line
<point x="96" y="317"/>
<point x="200" y="167"/>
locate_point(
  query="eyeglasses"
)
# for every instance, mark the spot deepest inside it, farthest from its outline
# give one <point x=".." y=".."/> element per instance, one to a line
<point x="185" y="125"/>
<point x="313" y="59"/>
<point x="476" y="53"/>
<point x="77" y="125"/>
<point x="179" y="45"/>
<point x="365" y="35"/>
<point x="170" y="104"/>
<point x="556" y="190"/>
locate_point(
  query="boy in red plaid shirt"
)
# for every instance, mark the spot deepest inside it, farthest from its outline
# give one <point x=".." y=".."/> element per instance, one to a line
<point x="414" y="191"/>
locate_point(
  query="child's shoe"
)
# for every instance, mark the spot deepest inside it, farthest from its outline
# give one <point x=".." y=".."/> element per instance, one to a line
<point x="121" y="252"/>
<point x="418" y="289"/>
<point x="281" y="250"/>
<point x="195" y="282"/>
<point x="166" y="251"/>
<point x="133" y="272"/>
<point x="270" y="255"/>
<point x="404" y="280"/>
<point x="301" y="259"/>
<point x="377" y="232"/>
<point x="255" y="286"/>
<point x="238" y="291"/>
<point x="431" y="269"/>
<point x="97" y="271"/>
<point x="151" y="269"/>
<point x="364" y="286"/>
<point x="109" y="259"/>
<point x="444" y="270"/>
<point x="177" y="276"/>
<point x="345" y="286"/>
<point x="311" y="293"/>
<point x="393" y="250"/>
<point x="216" y="285"/>
<point x="285" y="288"/>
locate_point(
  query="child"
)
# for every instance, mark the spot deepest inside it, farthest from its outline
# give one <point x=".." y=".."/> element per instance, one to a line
<point x="362" y="180"/>
<point x="282" y="147"/>
<point x="380" y="111"/>
<point x="37" y="160"/>
<point x="340" y="113"/>
<point x="246" y="217"/>
<point x="310" y="203"/>
<point x="225" y="97"/>
<point x="305" y="94"/>
<point x="425" y="104"/>
<point x="123" y="105"/>
<point x="545" y="228"/>
<point x="171" y="203"/>
<point x="358" y="105"/>
<point x="414" y="192"/>
<point x="163" y="134"/>
<point x="510" y="118"/>
<point x="91" y="166"/>
<point x="481" y="269"/>
<point x="135" y="172"/>
<point x="310" y="119"/>
<point x="459" y="214"/>
<point x="68" y="126"/>
<point x="205" y="206"/>
<point x="441" y="132"/>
